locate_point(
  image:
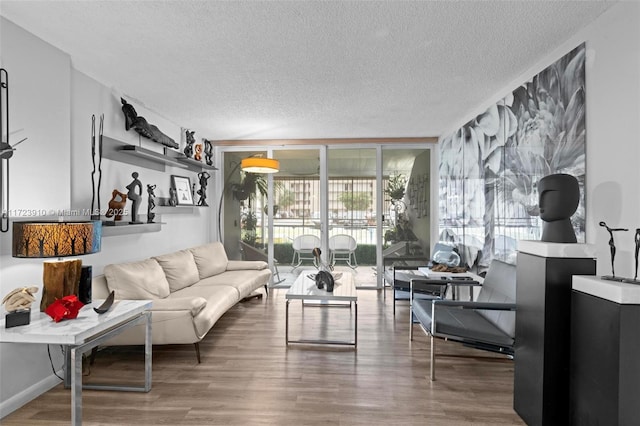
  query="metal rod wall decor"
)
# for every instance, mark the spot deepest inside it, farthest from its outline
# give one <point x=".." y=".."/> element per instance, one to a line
<point x="6" y="151"/>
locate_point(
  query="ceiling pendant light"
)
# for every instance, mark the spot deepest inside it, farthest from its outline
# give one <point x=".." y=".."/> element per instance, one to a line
<point x="260" y="165"/>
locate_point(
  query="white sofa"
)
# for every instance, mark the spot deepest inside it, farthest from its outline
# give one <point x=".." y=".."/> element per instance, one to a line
<point x="190" y="290"/>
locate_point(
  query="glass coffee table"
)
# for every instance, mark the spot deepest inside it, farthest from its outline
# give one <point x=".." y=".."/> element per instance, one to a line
<point x="304" y="289"/>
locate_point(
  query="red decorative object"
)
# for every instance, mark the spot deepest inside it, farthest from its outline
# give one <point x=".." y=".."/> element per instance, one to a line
<point x="65" y="308"/>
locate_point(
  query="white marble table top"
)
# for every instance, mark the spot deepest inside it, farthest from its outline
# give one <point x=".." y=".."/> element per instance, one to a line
<point x="566" y="250"/>
<point x="44" y="330"/>
<point x="614" y="291"/>
<point x="304" y="288"/>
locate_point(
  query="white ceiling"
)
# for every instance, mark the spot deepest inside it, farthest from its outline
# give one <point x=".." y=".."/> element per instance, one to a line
<point x="293" y="70"/>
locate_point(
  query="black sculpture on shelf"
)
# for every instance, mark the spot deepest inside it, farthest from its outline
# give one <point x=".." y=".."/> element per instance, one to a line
<point x="208" y="152"/>
<point x="637" y="239"/>
<point x="559" y="195"/>
<point x="635" y="279"/>
<point x="173" y="197"/>
<point x="134" y="194"/>
<point x="188" y="150"/>
<point x="140" y="125"/>
<point x="151" y="203"/>
<point x="202" y="192"/>
<point x="612" y="249"/>
<point x="95" y="212"/>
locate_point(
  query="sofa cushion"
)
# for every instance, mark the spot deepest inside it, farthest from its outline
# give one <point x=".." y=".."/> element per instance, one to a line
<point x="211" y="259"/>
<point x="137" y="280"/>
<point x="179" y="268"/>
<point x="193" y="304"/>
<point x="219" y="300"/>
<point x="245" y="282"/>
<point x="242" y="265"/>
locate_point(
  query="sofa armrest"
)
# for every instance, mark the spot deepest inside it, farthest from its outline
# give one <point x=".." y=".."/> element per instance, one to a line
<point x="477" y="305"/>
<point x="239" y="265"/>
<point x="193" y="304"/>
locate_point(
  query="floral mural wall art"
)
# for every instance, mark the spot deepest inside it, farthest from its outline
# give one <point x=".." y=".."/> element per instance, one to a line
<point x="490" y="166"/>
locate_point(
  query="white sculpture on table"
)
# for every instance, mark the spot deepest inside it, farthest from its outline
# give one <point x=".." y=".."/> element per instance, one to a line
<point x="19" y="299"/>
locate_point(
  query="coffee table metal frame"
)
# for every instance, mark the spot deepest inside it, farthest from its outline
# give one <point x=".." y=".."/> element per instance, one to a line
<point x="304" y="289"/>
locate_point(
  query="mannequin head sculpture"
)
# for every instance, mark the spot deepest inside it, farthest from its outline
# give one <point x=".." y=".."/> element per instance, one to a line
<point x="559" y="196"/>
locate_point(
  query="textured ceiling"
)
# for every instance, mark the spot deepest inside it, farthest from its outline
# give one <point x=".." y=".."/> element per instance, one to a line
<point x="291" y="70"/>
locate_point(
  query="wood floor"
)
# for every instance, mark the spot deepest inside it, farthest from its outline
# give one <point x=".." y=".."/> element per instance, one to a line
<point x="249" y="377"/>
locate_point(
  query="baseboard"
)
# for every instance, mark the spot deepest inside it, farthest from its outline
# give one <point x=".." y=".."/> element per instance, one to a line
<point x="18" y="400"/>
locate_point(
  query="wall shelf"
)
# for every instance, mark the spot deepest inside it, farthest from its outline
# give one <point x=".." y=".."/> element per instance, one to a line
<point x="125" y="228"/>
<point x="135" y="155"/>
<point x="194" y="163"/>
<point x="147" y="154"/>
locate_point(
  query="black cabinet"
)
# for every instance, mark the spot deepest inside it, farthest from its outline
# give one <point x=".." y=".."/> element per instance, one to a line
<point x="543" y="329"/>
<point x="605" y="358"/>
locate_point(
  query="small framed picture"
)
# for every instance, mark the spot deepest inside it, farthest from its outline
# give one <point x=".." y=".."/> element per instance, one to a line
<point x="182" y="185"/>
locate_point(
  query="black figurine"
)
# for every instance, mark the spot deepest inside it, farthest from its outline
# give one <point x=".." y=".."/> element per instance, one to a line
<point x="151" y="203"/>
<point x="188" y="150"/>
<point x="559" y="195"/>
<point x="202" y="192"/>
<point x="134" y="194"/>
<point x="140" y="124"/>
<point x="208" y="152"/>
<point x="612" y="249"/>
<point x="173" y="197"/>
<point x="635" y="279"/>
<point x="637" y="239"/>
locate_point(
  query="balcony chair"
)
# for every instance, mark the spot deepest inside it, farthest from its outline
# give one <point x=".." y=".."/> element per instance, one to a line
<point x="487" y="324"/>
<point x="303" y="246"/>
<point x="251" y="253"/>
<point x="343" y="247"/>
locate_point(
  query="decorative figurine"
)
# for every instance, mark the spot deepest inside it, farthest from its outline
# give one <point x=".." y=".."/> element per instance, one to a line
<point x="559" y="195"/>
<point x="637" y="240"/>
<point x="324" y="279"/>
<point x="95" y="212"/>
<point x="188" y="150"/>
<point x="116" y="207"/>
<point x="612" y="249"/>
<point x="151" y="203"/>
<point x="173" y="197"/>
<point x="134" y="194"/>
<point x="208" y="152"/>
<point x="19" y="298"/>
<point x="202" y="192"/>
<point x="635" y="279"/>
<point x="17" y="303"/>
<point x="140" y="125"/>
<point x="198" y="155"/>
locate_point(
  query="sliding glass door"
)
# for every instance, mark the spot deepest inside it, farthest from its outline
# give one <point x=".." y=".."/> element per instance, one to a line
<point x="357" y="203"/>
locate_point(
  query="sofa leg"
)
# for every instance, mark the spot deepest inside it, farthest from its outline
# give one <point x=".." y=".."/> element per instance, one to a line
<point x="252" y="296"/>
<point x="197" y="346"/>
<point x="266" y="290"/>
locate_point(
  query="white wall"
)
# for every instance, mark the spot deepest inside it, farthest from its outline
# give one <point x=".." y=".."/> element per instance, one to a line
<point x="39" y="99"/>
<point x="613" y="114"/>
<point x="52" y="170"/>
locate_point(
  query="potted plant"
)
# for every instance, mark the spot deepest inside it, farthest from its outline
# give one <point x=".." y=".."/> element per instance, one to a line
<point x="249" y="224"/>
<point x="250" y="183"/>
<point x="396" y="187"/>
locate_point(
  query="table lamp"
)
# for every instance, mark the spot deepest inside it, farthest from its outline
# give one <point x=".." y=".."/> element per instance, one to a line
<point x="50" y="239"/>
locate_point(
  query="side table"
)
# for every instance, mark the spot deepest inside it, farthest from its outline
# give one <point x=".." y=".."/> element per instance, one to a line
<point x="82" y="334"/>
